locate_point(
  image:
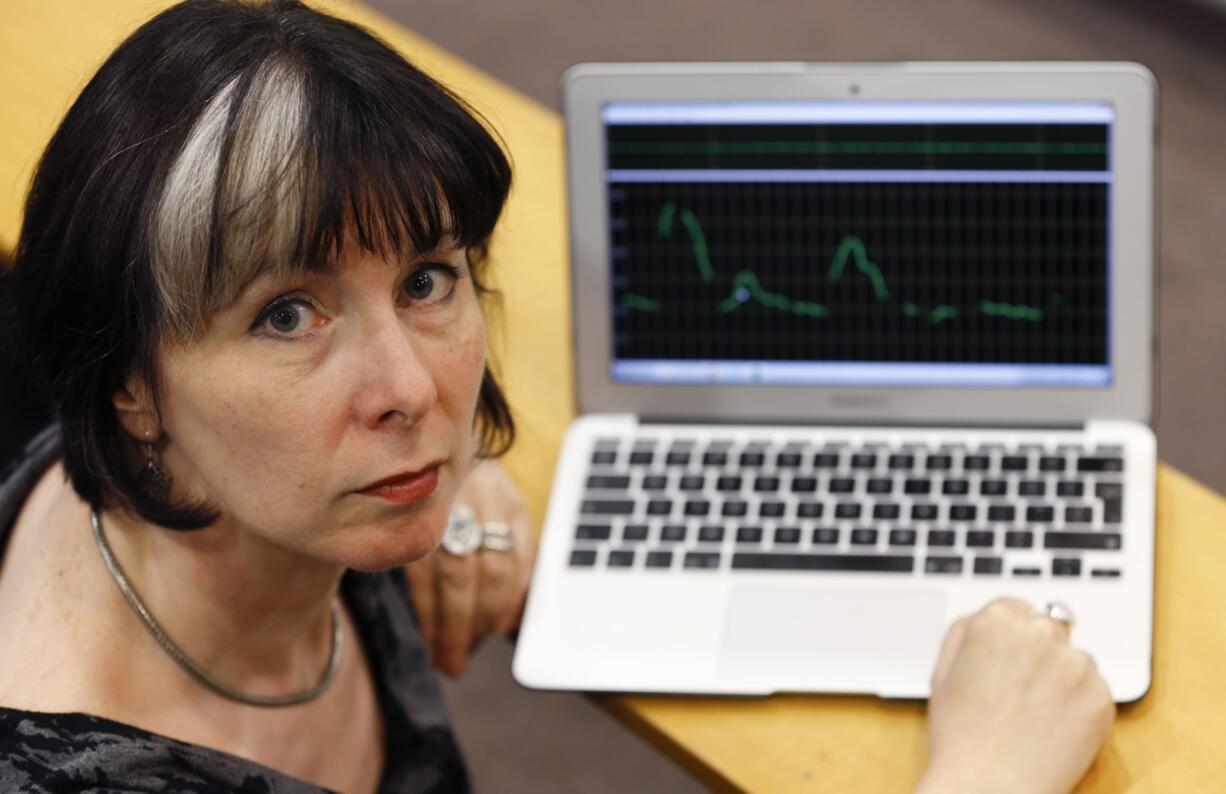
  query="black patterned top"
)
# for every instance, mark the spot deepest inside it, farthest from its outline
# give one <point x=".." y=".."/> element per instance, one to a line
<point x="77" y="752"/>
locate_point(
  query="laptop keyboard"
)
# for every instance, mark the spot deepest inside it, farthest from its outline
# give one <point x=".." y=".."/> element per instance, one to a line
<point x="952" y="510"/>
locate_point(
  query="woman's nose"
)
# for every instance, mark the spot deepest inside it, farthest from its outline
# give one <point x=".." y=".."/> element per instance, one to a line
<point x="396" y="384"/>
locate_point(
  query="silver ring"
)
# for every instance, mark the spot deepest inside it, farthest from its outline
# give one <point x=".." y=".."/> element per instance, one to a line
<point x="496" y="536"/>
<point x="1060" y="613"/>
<point x="463" y="534"/>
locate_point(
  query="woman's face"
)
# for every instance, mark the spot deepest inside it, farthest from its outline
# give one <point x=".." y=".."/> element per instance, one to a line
<point x="332" y="413"/>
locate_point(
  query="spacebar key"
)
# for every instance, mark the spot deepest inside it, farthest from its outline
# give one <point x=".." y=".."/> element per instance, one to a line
<point x="877" y="563"/>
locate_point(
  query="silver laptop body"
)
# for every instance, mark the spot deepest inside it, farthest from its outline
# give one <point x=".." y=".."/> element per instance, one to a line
<point x="859" y="348"/>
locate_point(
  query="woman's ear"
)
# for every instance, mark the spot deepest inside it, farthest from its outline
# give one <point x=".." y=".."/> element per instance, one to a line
<point x="134" y="405"/>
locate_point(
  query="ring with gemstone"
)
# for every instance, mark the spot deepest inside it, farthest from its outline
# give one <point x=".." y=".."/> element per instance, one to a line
<point x="463" y="535"/>
<point x="1060" y="613"/>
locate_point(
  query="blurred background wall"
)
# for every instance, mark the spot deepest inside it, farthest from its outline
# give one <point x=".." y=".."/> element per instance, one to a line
<point x="528" y="742"/>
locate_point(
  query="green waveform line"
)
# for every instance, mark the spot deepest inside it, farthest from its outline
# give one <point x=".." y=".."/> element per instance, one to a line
<point x="746" y="286"/>
<point x="859" y="147"/>
<point x="640" y="303"/>
<point x="698" y="240"/>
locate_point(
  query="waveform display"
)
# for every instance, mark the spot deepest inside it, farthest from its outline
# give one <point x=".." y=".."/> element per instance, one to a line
<point x="1024" y="147"/>
<point x="910" y="272"/>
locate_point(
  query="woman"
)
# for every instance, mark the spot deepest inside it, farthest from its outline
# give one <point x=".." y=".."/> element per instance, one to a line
<point x="249" y="279"/>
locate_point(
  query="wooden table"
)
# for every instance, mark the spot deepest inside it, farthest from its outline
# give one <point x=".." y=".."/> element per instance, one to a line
<point x="1170" y="741"/>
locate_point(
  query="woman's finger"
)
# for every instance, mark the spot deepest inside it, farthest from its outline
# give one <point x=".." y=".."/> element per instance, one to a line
<point x="457" y="587"/>
<point x="949" y="651"/>
<point x="421" y="588"/>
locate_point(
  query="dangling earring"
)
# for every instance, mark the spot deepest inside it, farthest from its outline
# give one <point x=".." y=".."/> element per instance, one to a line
<point x="153" y="478"/>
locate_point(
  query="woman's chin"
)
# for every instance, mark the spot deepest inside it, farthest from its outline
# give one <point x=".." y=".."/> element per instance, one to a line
<point x="383" y="548"/>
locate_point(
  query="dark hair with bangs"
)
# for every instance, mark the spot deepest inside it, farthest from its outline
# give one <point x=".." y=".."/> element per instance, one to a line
<point x="222" y="139"/>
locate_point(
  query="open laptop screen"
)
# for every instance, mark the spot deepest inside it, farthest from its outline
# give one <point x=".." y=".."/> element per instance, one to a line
<point x="860" y="243"/>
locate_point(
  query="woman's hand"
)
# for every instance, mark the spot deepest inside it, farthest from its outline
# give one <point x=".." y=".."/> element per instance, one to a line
<point x="1014" y="707"/>
<point x="461" y="600"/>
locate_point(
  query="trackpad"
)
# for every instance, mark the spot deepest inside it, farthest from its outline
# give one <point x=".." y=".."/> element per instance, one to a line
<point x="834" y="641"/>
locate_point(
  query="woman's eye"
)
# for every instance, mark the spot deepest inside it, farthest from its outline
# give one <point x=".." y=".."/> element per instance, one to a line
<point x="430" y="284"/>
<point x="288" y="318"/>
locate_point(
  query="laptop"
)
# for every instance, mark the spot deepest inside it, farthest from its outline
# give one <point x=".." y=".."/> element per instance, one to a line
<point x="859" y="348"/>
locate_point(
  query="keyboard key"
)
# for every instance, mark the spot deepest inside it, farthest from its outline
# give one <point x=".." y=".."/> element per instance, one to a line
<point x="1078" y="515"/>
<point x="847" y="510"/>
<point x="943" y="565"/>
<point x="1031" y="488"/>
<point x="842" y="485"/>
<point x="707" y="560"/>
<point x="975" y="462"/>
<point x="886" y="511"/>
<point x="988" y="566"/>
<point x="1002" y="512"/>
<point x="874" y="563"/>
<point x="1029" y="572"/>
<point x="697" y="507"/>
<point x="712" y="533"/>
<point x="672" y="533"/>
<point x="640" y="458"/>
<point x="1105" y="573"/>
<point x="940" y="462"/>
<point x="981" y="538"/>
<point x="692" y="482"/>
<point x="677" y="459"/>
<point x="1019" y="540"/>
<point x="1112" y="494"/>
<point x="880" y="485"/>
<point x="902" y="537"/>
<point x="734" y="509"/>
<point x="582" y="558"/>
<point x="941" y="537"/>
<point x="728" y="484"/>
<point x="604" y="457"/>
<point x="771" y="509"/>
<point x="787" y="535"/>
<point x="608" y="482"/>
<point x="1103" y="541"/>
<point x="1070" y="488"/>
<point x="714" y="458"/>
<point x="902" y="461"/>
<point x="593" y="532"/>
<point x="766" y="484"/>
<point x="826" y="460"/>
<point x="864" y="537"/>
<point x="917" y="486"/>
<point x="752" y="458"/>
<point x="1014" y="463"/>
<point x="1066" y="566"/>
<point x="804" y="484"/>
<point x="825" y="536"/>
<point x="923" y="512"/>
<point x="1040" y="513"/>
<point x="1051" y="463"/>
<point x="607" y="507"/>
<point x="955" y="488"/>
<point x="659" y="559"/>
<point x="993" y="488"/>
<point x="659" y="507"/>
<point x="863" y="460"/>
<point x="809" y="510"/>
<point x="1100" y="464"/>
<point x="749" y="535"/>
<point x="634" y="532"/>
<point x="621" y="558"/>
<point x="655" y="482"/>
<point x="788" y="460"/>
<point x="963" y="512"/>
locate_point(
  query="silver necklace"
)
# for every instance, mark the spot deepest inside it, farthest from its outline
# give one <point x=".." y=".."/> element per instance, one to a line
<point x="138" y="606"/>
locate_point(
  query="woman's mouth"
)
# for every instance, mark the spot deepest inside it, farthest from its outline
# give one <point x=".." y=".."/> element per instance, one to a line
<point x="405" y="488"/>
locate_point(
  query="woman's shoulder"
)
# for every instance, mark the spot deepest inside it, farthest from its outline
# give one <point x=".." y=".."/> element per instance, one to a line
<point x="83" y="753"/>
